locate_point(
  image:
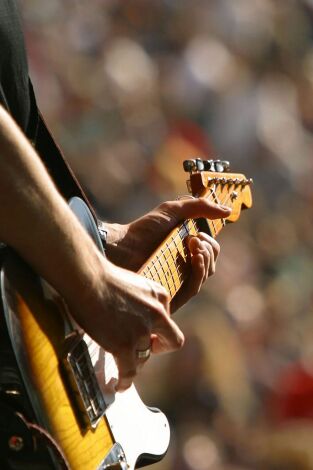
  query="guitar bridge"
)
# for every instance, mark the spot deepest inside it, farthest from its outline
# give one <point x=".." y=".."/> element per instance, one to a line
<point x="83" y="383"/>
<point x="115" y="459"/>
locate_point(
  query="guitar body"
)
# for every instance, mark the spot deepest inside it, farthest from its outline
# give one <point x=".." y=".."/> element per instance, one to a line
<point x="128" y="434"/>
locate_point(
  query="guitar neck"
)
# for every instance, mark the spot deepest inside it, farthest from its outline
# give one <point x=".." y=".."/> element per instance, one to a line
<point x="170" y="263"/>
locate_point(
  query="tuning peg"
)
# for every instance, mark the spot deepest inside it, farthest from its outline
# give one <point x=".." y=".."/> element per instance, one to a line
<point x="196" y="164"/>
<point x="189" y="165"/>
<point x="199" y="164"/>
<point x="226" y="165"/>
<point x="208" y="165"/>
<point x="218" y="166"/>
<point x="221" y="166"/>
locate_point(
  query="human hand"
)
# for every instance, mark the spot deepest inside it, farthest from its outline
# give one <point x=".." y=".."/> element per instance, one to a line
<point x="125" y="314"/>
<point x="131" y="245"/>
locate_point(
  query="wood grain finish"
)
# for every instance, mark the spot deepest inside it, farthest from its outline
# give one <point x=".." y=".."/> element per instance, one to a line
<point x="42" y="339"/>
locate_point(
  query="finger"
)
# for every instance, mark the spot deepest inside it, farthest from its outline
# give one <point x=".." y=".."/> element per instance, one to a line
<point x="193" y="284"/>
<point x="208" y="246"/>
<point x="208" y="258"/>
<point x="166" y="337"/>
<point x="198" y="274"/>
<point x="198" y="247"/>
<point x="195" y="208"/>
<point x="215" y="245"/>
<point x="127" y="370"/>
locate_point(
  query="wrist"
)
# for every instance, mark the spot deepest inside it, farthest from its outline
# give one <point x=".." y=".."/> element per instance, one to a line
<point x="115" y="233"/>
<point x="115" y="236"/>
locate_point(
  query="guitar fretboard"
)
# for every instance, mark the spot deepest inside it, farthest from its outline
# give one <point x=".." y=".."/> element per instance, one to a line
<point x="170" y="264"/>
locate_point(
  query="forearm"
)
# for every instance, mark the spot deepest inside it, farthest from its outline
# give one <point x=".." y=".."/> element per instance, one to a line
<point x="36" y="221"/>
<point x="117" y="308"/>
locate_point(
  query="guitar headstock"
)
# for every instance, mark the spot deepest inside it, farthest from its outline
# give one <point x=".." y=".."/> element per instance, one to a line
<point x="211" y="178"/>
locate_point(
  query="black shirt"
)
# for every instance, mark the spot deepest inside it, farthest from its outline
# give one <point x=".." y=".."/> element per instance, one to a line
<point x="17" y="97"/>
<point x="14" y="82"/>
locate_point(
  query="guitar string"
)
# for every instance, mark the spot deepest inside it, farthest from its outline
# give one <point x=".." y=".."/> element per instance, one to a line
<point x="92" y="344"/>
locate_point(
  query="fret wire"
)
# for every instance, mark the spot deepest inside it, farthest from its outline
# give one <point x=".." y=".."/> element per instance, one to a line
<point x="165" y="277"/>
<point x="171" y="284"/>
<point x="166" y="258"/>
<point x="155" y="268"/>
<point x="180" y="278"/>
<point x="174" y="261"/>
<point x="168" y="249"/>
<point x="170" y="270"/>
<point x="171" y="273"/>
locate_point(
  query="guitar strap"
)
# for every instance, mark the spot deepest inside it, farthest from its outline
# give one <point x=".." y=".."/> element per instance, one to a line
<point x="24" y="444"/>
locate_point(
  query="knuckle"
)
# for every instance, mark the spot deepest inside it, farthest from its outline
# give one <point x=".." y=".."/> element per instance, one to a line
<point x="163" y="296"/>
<point x="180" y="342"/>
<point x="171" y="209"/>
<point x="212" y="266"/>
<point x="128" y="374"/>
<point x="166" y="206"/>
<point x="216" y="246"/>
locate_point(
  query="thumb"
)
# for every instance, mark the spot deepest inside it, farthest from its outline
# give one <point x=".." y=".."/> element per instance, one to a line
<point x="193" y="208"/>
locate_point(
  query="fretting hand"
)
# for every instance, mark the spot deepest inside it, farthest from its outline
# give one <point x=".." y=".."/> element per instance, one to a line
<point x="130" y="245"/>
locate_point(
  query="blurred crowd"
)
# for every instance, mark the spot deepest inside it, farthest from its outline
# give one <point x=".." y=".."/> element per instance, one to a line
<point x="131" y="89"/>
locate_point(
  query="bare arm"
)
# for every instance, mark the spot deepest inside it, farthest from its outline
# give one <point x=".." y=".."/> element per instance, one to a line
<point x="38" y="224"/>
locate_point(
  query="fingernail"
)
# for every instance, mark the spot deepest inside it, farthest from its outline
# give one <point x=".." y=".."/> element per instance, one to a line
<point x="225" y="208"/>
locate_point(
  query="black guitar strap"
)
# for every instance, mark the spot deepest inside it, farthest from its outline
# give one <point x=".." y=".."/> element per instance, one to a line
<point x="24" y="445"/>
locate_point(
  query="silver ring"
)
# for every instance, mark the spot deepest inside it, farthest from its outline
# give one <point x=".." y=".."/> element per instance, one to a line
<point x="143" y="353"/>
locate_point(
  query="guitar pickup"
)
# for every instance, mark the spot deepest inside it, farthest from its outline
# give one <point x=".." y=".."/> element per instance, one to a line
<point x="82" y="382"/>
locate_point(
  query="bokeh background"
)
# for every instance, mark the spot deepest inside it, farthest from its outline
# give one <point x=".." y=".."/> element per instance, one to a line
<point x="132" y="88"/>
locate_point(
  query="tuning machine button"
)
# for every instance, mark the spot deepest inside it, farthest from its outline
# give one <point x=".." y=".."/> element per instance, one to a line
<point x="221" y="166"/>
<point x="208" y="165"/>
<point x="199" y="164"/>
<point x="189" y="165"/>
<point x="226" y="165"/>
<point x="196" y="164"/>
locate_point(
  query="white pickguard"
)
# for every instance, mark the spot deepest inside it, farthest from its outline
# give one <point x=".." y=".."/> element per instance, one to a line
<point x="137" y="428"/>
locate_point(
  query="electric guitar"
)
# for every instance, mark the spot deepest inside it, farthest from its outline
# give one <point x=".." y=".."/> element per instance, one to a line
<point x="67" y="376"/>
